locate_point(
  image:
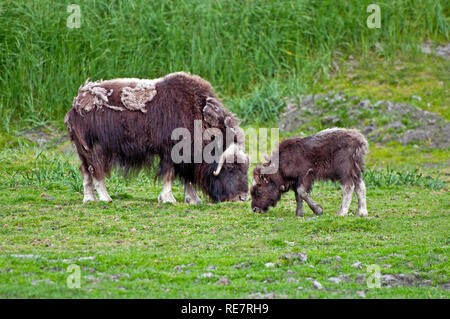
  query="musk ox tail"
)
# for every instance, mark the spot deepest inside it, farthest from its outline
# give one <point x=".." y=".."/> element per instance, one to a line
<point x="362" y="148"/>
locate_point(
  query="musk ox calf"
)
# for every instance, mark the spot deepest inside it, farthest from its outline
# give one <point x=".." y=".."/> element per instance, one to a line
<point x="335" y="154"/>
<point x="126" y="122"/>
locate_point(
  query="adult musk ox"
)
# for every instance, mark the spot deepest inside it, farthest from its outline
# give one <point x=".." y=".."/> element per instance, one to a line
<point x="126" y="122"/>
<point x="335" y="154"/>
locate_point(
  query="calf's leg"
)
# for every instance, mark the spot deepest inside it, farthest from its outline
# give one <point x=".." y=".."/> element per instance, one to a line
<point x="347" y="191"/>
<point x="299" y="211"/>
<point x="360" y="189"/>
<point x="190" y="195"/>
<point x="316" y="208"/>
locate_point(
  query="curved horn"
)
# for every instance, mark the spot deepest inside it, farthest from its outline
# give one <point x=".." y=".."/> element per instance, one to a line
<point x="230" y="151"/>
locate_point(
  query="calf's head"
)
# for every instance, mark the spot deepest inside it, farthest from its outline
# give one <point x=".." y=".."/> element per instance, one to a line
<point x="265" y="191"/>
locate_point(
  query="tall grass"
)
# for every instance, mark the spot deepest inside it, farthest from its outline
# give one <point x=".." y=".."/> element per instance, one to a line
<point x="237" y="45"/>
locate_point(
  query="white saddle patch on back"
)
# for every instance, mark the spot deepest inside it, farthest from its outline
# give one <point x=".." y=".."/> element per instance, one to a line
<point x="135" y="98"/>
<point x="94" y="94"/>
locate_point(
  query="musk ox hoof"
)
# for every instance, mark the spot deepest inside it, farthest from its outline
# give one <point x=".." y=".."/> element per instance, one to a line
<point x="192" y="201"/>
<point x="319" y="210"/>
<point x="362" y="213"/>
<point x="166" y="198"/>
<point x="339" y="213"/>
<point x="87" y="199"/>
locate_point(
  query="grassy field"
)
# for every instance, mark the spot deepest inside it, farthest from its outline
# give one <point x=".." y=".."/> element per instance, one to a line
<point x="256" y="54"/>
<point x="135" y="247"/>
<point x="243" y="47"/>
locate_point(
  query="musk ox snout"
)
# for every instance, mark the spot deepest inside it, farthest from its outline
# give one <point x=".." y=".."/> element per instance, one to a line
<point x="264" y="193"/>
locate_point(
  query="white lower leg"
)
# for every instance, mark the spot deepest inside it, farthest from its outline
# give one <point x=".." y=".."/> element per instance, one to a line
<point x="347" y="191"/>
<point x="166" y="195"/>
<point x="190" y="195"/>
<point x="101" y="190"/>
<point x="360" y="189"/>
<point x="88" y="188"/>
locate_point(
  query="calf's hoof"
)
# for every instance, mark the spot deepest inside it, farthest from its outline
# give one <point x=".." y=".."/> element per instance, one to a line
<point x="299" y="213"/>
<point x="319" y="210"/>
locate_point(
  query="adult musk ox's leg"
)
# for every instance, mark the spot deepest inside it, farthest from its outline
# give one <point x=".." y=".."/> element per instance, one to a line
<point x="88" y="187"/>
<point x="166" y="195"/>
<point x="99" y="185"/>
<point x="347" y="191"/>
<point x="360" y="189"/>
<point x="316" y="208"/>
<point x="190" y="196"/>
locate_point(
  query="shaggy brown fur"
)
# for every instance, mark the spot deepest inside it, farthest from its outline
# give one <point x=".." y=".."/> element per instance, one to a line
<point x="334" y="154"/>
<point x="108" y="136"/>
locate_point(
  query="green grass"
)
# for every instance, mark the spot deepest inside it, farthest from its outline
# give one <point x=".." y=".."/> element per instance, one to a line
<point x="240" y="46"/>
<point x="398" y="80"/>
<point x="256" y="54"/>
<point x="139" y="248"/>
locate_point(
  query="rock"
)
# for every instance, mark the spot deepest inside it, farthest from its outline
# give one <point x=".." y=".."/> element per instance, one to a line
<point x="268" y="280"/>
<point x="335" y="280"/>
<point x="244" y="264"/>
<point x="330" y="119"/>
<point x="396" y="126"/>
<point x="389" y="280"/>
<point x="339" y="279"/>
<point x="360" y="279"/>
<point x="116" y="277"/>
<point x="266" y="296"/>
<point x="27" y="256"/>
<point x="442" y="51"/>
<point x="364" y="104"/>
<point x="416" y="135"/>
<point x="86" y="258"/>
<point x="47" y="281"/>
<point x="212" y="267"/>
<point x="423" y="126"/>
<point x="361" y="294"/>
<point x="207" y="275"/>
<point x="446" y="286"/>
<point x="269" y="265"/>
<point x="317" y="285"/>
<point x="357" y="264"/>
<point x="223" y="281"/>
<point x="292" y="280"/>
<point x="301" y="257"/>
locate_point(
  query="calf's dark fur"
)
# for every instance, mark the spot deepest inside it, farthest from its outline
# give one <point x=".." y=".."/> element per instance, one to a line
<point x="335" y="154"/>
